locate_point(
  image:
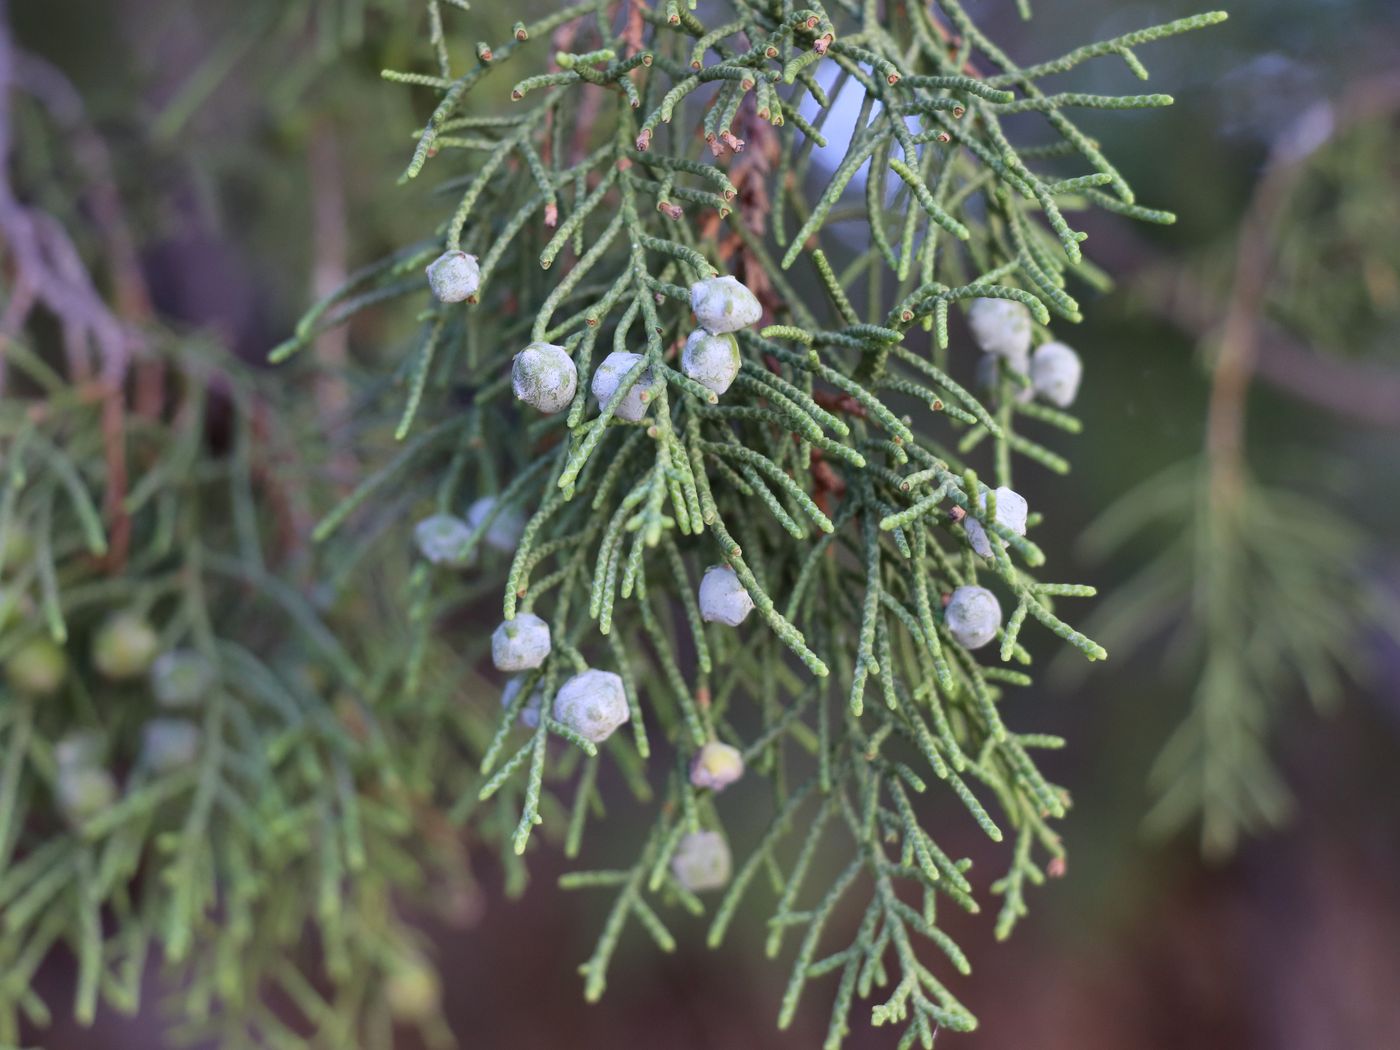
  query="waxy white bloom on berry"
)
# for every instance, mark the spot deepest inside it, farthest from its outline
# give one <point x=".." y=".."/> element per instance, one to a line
<point x="1012" y="509"/>
<point x="1055" y="373"/>
<point x="442" y="538"/>
<point x="723" y="598"/>
<point x="973" y="616"/>
<point x="506" y="527"/>
<point x="608" y="376"/>
<point x="593" y="704"/>
<point x="701" y="861"/>
<point x="711" y="360"/>
<point x="530" y="713"/>
<point x="989" y="375"/>
<point x="543" y="376"/>
<point x="1011" y="512"/>
<point x="181" y="678"/>
<point x="454" y="277"/>
<point x="716" y="766"/>
<point x="169" y="743"/>
<point x="520" y="644"/>
<point x="722" y="304"/>
<point x="79" y="749"/>
<point x="1002" y="327"/>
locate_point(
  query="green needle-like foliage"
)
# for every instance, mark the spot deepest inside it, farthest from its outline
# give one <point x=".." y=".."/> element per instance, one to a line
<point x="199" y="763"/>
<point x="597" y="164"/>
<point x="1258" y="593"/>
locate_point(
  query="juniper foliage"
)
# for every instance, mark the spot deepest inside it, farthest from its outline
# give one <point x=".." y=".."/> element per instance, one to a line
<point x="647" y="151"/>
<point x="836" y="478"/>
<point x="184" y="731"/>
<point x="1259" y="589"/>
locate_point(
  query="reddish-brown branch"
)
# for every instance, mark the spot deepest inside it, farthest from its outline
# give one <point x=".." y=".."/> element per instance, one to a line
<point x="1237" y="359"/>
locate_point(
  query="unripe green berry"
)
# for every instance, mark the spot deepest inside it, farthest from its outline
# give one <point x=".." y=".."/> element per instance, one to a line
<point x="722" y="304"/>
<point x="701" y="861"/>
<point x="723" y="598"/>
<point x="711" y="360"/>
<point x="18" y="548"/>
<point x="544" y="376"/>
<point x="13" y="604"/>
<point x="413" y="990"/>
<point x="593" y="704"/>
<point x="37" y="668"/>
<point x="181" y="678"/>
<point x="608" y="376"/>
<point x="125" y="647"/>
<point x="520" y="644"/>
<point x="454" y="276"/>
<point x="716" y="766"/>
<point x="973" y="616"/>
<point x="84" y="792"/>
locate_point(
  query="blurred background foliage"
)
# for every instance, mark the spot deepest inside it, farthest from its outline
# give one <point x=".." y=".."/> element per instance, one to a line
<point x="255" y="149"/>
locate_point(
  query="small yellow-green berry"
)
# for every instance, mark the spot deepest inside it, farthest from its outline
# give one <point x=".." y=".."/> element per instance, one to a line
<point x="125" y="647"/>
<point x="37" y="668"/>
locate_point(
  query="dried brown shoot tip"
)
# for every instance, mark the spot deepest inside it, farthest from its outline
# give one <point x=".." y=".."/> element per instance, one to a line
<point x="770" y="52"/>
<point x="697" y="65"/>
<point x="1056" y="868"/>
<point x="957" y="514"/>
<point x="958" y="111"/>
<point x="521" y="35"/>
<point x="716" y="147"/>
<point x="892" y="79"/>
<point x="734" y="143"/>
<point x="647" y="59"/>
<point x="944" y="137"/>
<point x="812" y="21"/>
<point x="670" y="209"/>
<point x="551" y="215"/>
<point x="764" y="113"/>
<point x="936" y="404"/>
<point x="516" y="95"/>
<point x="747" y="84"/>
<point x="823" y="42"/>
<point x="674" y="20"/>
<point x="644" y="140"/>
